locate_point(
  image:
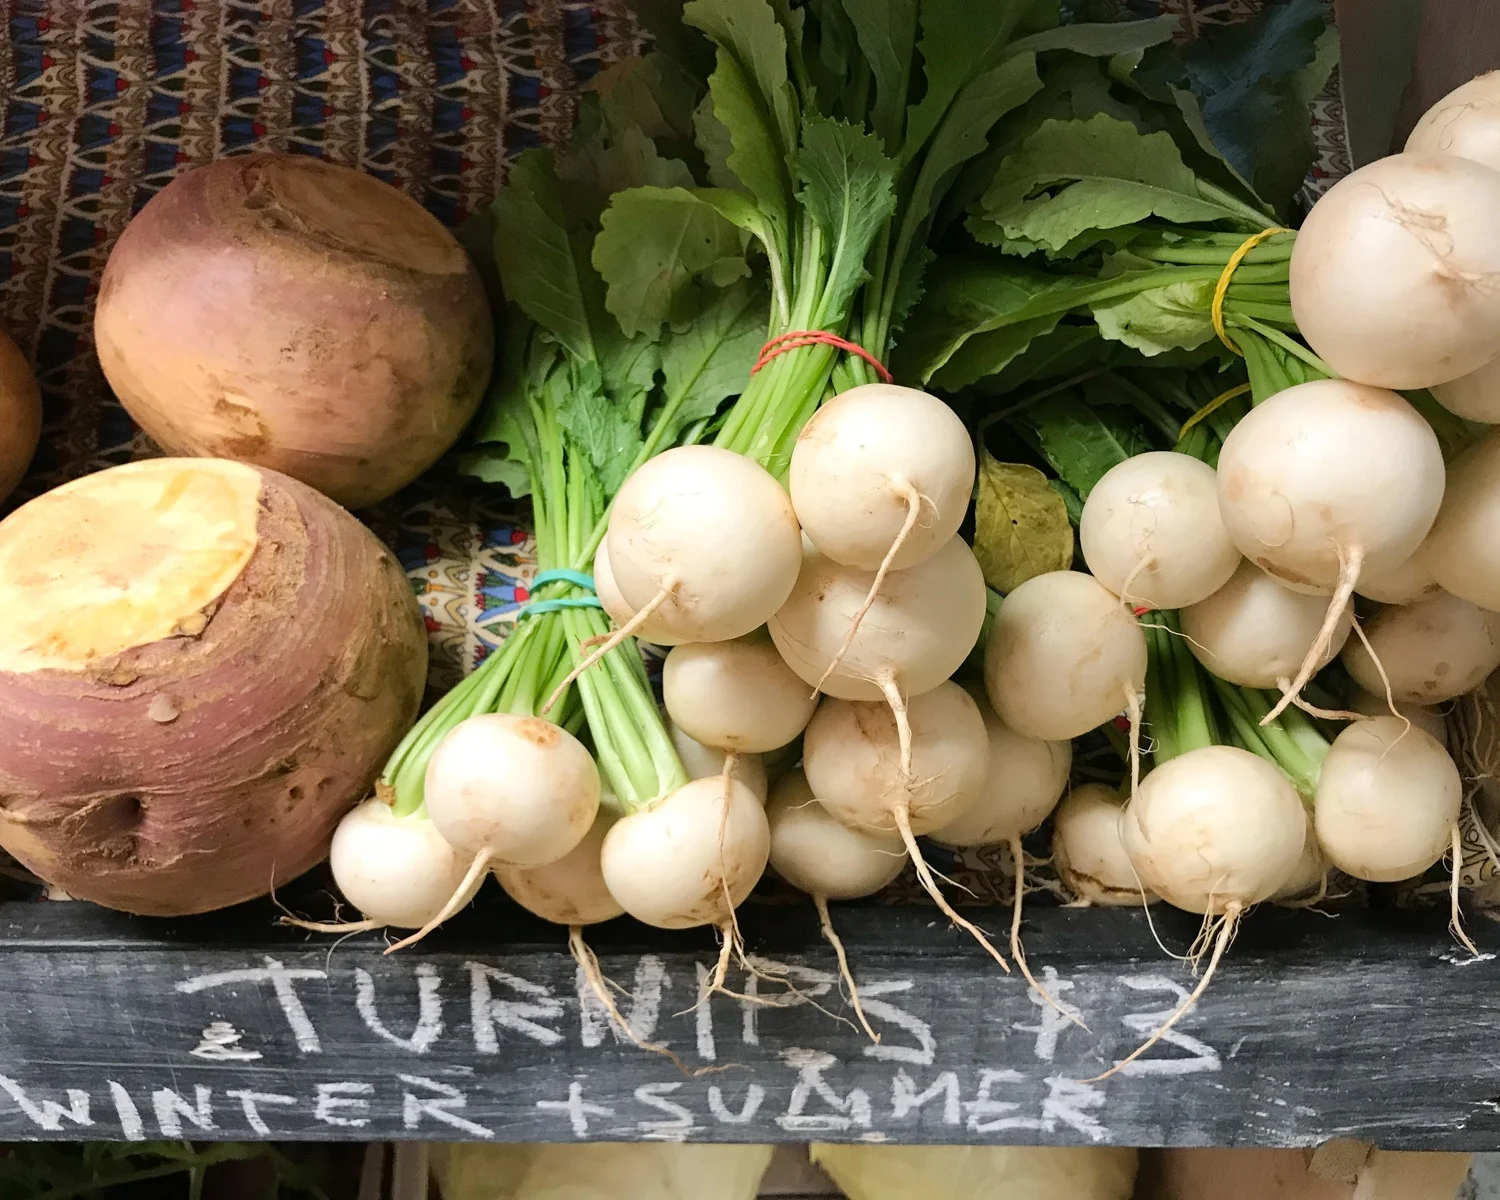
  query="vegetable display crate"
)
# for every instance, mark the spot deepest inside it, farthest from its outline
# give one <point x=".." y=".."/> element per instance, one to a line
<point x="227" y="1027"/>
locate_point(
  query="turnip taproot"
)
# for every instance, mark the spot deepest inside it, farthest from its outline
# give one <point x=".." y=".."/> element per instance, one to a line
<point x="1462" y="551"/>
<point x="1428" y="652"/>
<point x="738" y="695"/>
<point x="1064" y="656"/>
<point x="1465" y="123"/>
<point x="1394" y="272"/>
<point x="1152" y="534"/>
<point x="1088" y="852"/>
<point x="165" y="606"/>
<point x="20" y="415"/>
<point x="299" y="315"/>
<point x="1255" y="633"/>
<point x="1323" y="479"/>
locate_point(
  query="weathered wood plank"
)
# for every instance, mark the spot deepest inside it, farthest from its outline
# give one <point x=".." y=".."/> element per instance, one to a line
<point x="1369" y="1026"/>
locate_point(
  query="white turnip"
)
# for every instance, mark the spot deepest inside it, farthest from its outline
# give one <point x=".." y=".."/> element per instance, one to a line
<point x="570" y="890"/>
<point x="1465" y="123"/>
<point x="1308" y="882"/>
<point x="203" y="666"/>
<point x="1322" y="480"/>
<point x="1475" y="396"/>
<point x="1087" y="851"/>
<point x="1152" y="534"/>
<point x="702" y="761"/>
<point x="1374" y="704"/>
<point x="1401" y="584"/>
<point x="1462" y="551"/>
<point x="1064" y="656"/>
<point x="1394" y="272"/>
<point x="1430" y="651"/>
<point x="738" y="695"/>
<point x="1388" y="801"/>
<point x="1255" y="633"/>
<point x="299" y="315"/>
<point x="821" y="855"/>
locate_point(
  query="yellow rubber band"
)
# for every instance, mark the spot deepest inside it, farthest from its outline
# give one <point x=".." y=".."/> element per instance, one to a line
<point x="1216" y="403"/>
<point x="1222" y="288"/>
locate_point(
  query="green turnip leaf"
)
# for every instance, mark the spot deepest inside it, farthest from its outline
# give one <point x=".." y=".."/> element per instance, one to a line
<point x="747" y="33"/>
<point x="709" y="360"/>
<point x="1082" y="441"/>
<point x="1175" y="317"/>
<point x="887" y="33"/>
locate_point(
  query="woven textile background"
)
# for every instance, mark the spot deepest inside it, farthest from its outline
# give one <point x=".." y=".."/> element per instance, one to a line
<point x="104" y="101"/>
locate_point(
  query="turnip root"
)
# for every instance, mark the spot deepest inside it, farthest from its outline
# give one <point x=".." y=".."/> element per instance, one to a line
<point x="1475" y="396"/>
<point x="852" y="754"/>
<point x="570" y="890"/>
<point x="702" y="761"/>
<point x="1462" y="551"/>
<point x="1087" y="851"/>
<point x="882" y="475"/>
<point x="738" y="695"/>
<point x="398" y="871"/>
<point x="1431" y="651"/>
<point x="1393" y="273"/>
<point x="919" y="629"/>
<point x="1464" y="123"/>
<point x="608" y="592"/>
<point x="1255" y="633"/>
<point x="203" y="665"/>
<point x="1403" y="584"/>
<point x="20" y="415"/>
<point x="704" y="544"/>
<point x="1064" y="656"/>
<point x="1151" y="531"/>
<point x="1388" y="801"/>
<point x="1374" y="704"/>
<point x="1322" y="480"/>
<point x="1308" y="882"/>
<point x="299" y="315"/>
<point x="828" y="860"/>
<point x="691" y="858"/>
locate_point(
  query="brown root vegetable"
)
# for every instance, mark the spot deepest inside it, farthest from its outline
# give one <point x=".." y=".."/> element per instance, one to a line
<point x="20" y="415"/>
<point x="298" y="315"/>
<point x="203" y="665"/>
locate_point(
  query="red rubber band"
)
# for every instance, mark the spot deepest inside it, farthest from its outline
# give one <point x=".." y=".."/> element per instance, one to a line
<point x="1141" y="610"/>
<point x="799" y="338"/>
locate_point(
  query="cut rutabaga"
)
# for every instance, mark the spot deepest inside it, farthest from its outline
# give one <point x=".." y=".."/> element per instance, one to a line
<point x="299" y="315"/>
<point x="1322" y="479"/>
<point x="20" y="415"/>
<point x="1087" y="851"/>
<point x="1388" y="800"/>
<point x="737" y="695"/>
<point x="1465" y="123"/>
<point x="398" y="871"/>
<point x="703" y="544"/>
<point x="1255" y="633"/>
<point x="1152" y="534"/>
<point x="1462" y="551"/>
<point x="1064" y="656"/>
<point x="203" y="665"/>
<point x="1394" y="272"/>
<point x="1428" y="651"/>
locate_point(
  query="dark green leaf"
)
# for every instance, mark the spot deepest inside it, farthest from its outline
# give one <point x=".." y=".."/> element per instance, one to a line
<point x="887" y="32"/>
<point x="1082" y="442"/>
<point x="603" y="431"/>
<point x="834" y="61"/>
<point x="1072" y="501"/>
<point x="686" y="47"/>
<point x="748" y="31"/>
<point x="1063" y="352"/>
<point x="650" y="94"/>
<point x="714" y="143"/>
<point x="596" y="168"/>
<point x="755" y="158"/>
<point x="910" y="285"/>
<point x="653" y="243"/>
<point x="1103" y="39"/>
<point x="849" y="189"/>
<point x="990" y="353"/>
<point x="709" y="360"/>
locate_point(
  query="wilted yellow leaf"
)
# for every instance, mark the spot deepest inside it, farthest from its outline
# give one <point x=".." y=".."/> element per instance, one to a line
<point x="1021" y="525"/>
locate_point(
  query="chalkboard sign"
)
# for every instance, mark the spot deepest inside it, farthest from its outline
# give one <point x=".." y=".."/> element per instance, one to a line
<point x="1370" y="1025"/>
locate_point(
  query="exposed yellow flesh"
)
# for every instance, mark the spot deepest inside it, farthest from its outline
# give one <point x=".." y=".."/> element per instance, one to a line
<point x="122" y="558"/>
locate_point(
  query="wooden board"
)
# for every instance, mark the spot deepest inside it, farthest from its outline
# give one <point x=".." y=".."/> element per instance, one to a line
<point x="1371" y="1025"/>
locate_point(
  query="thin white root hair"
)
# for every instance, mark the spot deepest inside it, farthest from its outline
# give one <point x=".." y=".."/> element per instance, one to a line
<point x="913" y="510"/>
<point x="1385" y="680"/>
<point x="348" y="927"/>
<point x="825" y="923"/>
<point x="456" y="901"/>
<point x="1486" y="839"/>
<point x="1284" y="685"/>
<point x="1456" y="920"/>
<point x="924" y="875"/>
<point x="897" y="701"/>
<point x="588" y="962"/>
<point x="1227" y="930"/>
<point x="1133" y="713"/>
<point x="1144" y="564"/>
<point x="1017" y="952"/>
<point x="1349" y="568"/>
<point x="609" y="643"/>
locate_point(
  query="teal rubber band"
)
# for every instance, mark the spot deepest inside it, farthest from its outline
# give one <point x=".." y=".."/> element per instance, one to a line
<point x="537" y="607"/>
<point x="562" y="575"/>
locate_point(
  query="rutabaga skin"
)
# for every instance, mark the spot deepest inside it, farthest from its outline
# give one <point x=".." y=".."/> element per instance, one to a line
<point x="1462" y="551"/>
<point x="398" y="871"/>
<point x="203" y="666"/>
<point x="1064" y="655"/>
<point x="1394" y="272"/>
<point x="1431" y="651"/>
<point x="20" y="415"/>
<point x="878" y="465"/>
<point x="1214" y="828"/>
<point x="738" y="695"/>
<point x="703" y="544"/>
<point x="1465" y="123"/>
<point x="299" y="315"/>
<point x="691" y="858"/>
<point x="1255" y="633"/>
<point x="1388" y="801"/>
<point x="1151" y="531"/>
<point x="1088" y="853"/>
<point x="571" y="890"/>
